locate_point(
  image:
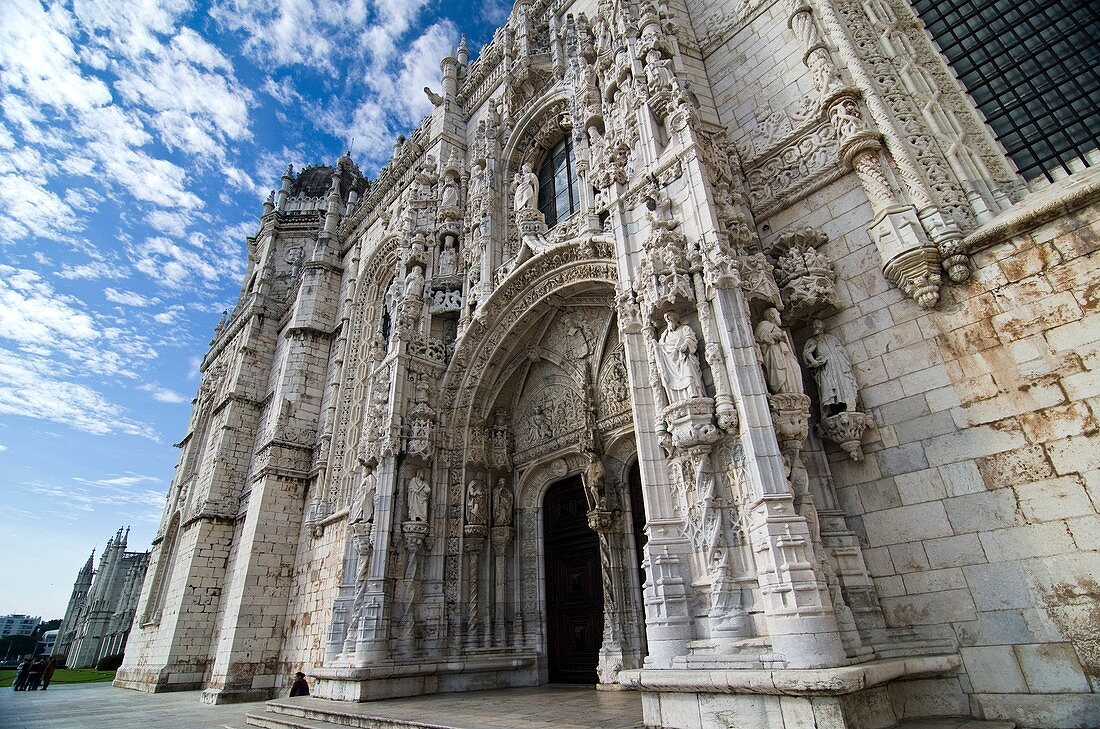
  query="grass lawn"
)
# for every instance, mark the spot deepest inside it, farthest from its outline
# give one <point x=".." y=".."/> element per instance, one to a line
<point x="64" y="675"/>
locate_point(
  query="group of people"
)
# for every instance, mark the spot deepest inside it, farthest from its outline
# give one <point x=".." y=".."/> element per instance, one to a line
<point x="34" y="674"/>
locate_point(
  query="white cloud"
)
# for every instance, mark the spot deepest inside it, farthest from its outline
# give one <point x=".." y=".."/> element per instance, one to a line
<point x="127" y="298"/>
<point x="28" y="388"/>
<point x="163" y="394"/>
<point x="3" y="447"/>
<point x="43" y="322"/>
<point x="90" y="271"/>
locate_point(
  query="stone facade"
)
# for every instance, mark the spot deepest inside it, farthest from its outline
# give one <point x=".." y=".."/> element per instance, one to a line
<point x="823" y="346"/>
<point x="102" y="605"/>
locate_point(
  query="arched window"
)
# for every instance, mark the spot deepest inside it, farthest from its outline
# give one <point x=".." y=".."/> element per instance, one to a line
<point x="558" y="190"/>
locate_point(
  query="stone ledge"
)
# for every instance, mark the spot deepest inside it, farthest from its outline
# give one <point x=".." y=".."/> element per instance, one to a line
<point x="790" y="682"/>
<point x="1061" y="198"/>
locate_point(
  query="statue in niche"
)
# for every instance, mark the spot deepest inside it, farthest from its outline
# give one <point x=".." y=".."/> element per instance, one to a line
<point x="502" y="504"/>
<point x="448" y="265"/>
<point x="595" y="479"/>
<point x="393" y="294"/>
<point x="450" y="194"/>
<point x="414" y="284"/>
<point x="527" y="189"/>
<point x="780" y="365"/>
<point x="476" y="503"/>
<point x="679" y="363"/>
<point x="586" y="74"/>
<point x="366" y="491"/>
<point x="657" y="72"/>
<point x="419" y="493"/>
<point x="832" y="370"/>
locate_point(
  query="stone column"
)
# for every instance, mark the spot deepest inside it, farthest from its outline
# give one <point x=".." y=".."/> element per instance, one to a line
<point x="910" y="260"/>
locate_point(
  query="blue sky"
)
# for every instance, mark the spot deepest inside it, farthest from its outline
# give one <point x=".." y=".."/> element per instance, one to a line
<point x="137" y="142"/>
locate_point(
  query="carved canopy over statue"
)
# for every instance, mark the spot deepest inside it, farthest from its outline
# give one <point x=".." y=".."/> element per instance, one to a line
<point x="679" y="363"/>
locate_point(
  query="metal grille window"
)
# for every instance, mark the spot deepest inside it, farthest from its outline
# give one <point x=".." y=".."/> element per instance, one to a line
<point x="1033" y="68"/>
<point x="558" y="194"/>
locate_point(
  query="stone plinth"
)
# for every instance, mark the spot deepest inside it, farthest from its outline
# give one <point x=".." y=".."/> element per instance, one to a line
<point x="823" y="698"/>
<point x="388" y="681"/>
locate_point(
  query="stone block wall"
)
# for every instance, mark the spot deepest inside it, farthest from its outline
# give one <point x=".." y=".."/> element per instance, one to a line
<point x="315" y="583"/>
<point x="977" y="501"/>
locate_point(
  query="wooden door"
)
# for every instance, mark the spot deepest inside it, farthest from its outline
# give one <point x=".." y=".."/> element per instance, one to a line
<point x="574" y="596"/>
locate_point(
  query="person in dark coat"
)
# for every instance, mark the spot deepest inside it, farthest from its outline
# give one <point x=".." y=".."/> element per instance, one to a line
<point x="299" y="687"/>
<point x="47" y="673"/>
<point x="21" y="677"/>
<point x="34" y="675"/>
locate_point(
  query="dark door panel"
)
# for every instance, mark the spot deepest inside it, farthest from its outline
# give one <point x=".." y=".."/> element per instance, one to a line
<point x="574" y="595"/>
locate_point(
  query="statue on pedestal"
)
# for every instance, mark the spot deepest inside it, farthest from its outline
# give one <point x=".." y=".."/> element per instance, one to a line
<point x="781" y="368"/>
<point x="366" y="491"/>
<point x="828" y="362"/>
<point x="476" y="503"/>
<point x="418" y="496"/>
<point x="503" y="502"/>
<point x="678" y="361"/>
<point x="527" y="189"/>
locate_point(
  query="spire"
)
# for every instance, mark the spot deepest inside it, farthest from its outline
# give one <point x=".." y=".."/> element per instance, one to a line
<point x="126" y="537"/>
<point x="85" y="574"/>
<point x="463" y="51"/>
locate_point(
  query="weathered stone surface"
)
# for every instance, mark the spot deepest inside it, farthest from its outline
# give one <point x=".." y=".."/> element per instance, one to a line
<point x="432" y="329"/>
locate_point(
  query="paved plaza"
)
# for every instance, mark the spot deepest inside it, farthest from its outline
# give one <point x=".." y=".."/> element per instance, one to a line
<point x="102" y="706"/>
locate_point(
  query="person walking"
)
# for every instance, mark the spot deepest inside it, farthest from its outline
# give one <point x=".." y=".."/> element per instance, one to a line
<point x="47" y="673"/>
<point x="34" y="675"/>
<point x="299" y="687"/>
<point x="21" y="677"/>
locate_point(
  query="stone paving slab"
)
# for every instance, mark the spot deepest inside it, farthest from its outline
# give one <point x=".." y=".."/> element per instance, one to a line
<point x="102" y="706"/>
<point x="540" y="707"/>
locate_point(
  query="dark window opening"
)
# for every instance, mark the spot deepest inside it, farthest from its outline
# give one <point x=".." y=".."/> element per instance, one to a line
<point x="558" y="191"/>
<point x="1033" y="69"/>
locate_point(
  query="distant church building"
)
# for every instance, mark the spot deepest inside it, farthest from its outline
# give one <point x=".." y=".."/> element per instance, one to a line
<point x="720" y="351"/>
<point x="101" y="609"/>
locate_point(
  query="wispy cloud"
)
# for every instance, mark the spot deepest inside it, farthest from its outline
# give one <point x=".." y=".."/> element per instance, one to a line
<point x="29" y="388"/>
<point x="163" y="394"/>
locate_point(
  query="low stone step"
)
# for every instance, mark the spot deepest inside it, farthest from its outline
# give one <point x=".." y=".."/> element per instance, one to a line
<point x="273" y="720"/>
<point x="533" y="708"/>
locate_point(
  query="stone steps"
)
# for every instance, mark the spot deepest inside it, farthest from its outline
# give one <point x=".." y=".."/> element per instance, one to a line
<point x="274" y="720"/>
<point x="531" y="708"/>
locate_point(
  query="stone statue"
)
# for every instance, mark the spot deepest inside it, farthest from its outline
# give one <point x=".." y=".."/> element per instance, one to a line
<point x="502" y="504"/>
<point x="832" y="370"/>
<point x="527" y="189"/>
<point x="679" y="364"/>
<point x="414" y="283"/>
<point x="657" y="70"/>
<point x="450" y="194"/>
<point x="476" y="503"/>
<point x="419" y="493"/>
<point x="780" y="365"/>
<point x="366" y="491"/>
<point x="447" y="259"/>
<point x="594" y="478"/>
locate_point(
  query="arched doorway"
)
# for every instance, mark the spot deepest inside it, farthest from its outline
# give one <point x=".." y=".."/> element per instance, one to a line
<point x="574" y="596"/>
